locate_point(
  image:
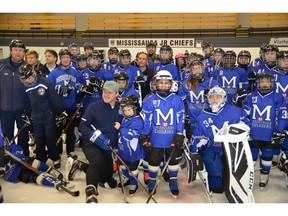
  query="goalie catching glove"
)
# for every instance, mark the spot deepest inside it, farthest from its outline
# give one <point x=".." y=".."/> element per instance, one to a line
<point x="100" y="140"/>
<point x="144" y="139"/>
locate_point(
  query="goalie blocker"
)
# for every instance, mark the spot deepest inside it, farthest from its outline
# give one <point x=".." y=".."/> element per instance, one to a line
<point x="239" y="172"/>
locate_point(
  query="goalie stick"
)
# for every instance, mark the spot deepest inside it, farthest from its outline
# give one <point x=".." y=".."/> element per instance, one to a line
<point x="60" y="186"/>
<point x="238" y="158"/>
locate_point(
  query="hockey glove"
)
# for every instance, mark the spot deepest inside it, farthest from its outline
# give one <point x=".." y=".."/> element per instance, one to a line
<point x="144" y="139"/>
<point x="26" y="119"/>
<point x="86" y="90"/>
<point x="100" y="140"/>
<point x="63" y="91"/>
<point x="278" y="137"/>
<point x="139" y="81"/>
<point x="96" y="83"/>
<point x="178" y="141"/>
<point x="238" y="97"/>
<point x="60" y="119"/>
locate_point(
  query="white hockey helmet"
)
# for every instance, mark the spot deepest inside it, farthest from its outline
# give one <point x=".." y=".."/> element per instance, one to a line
<point x="163" y="75"/>
<point x="216" y="106"/>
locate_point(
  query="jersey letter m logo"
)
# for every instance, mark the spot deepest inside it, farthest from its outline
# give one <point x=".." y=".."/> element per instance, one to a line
<point x="267" y="110"/>
<point x="226" y="82"/>
<point x="160" y="116"/>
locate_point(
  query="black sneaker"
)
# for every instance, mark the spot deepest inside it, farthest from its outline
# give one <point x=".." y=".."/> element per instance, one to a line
<point x="133" y="189"/>
<point x="91" y="194"/>
<point x="126" y="182"/>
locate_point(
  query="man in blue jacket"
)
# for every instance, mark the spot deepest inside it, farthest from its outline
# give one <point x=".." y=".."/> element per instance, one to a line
<point x="12" y="93"/>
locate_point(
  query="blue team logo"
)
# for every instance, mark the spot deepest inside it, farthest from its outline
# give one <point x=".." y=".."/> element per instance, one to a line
<point x="41" y="91"/>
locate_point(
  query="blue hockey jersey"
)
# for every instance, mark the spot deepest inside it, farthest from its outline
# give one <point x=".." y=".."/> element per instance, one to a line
<point x="129" y="147"/>
<point x="195" y="101"/>
<point x="231" y="80"/>
<point x="209" y="124"/>
<point x="169" y="67"/>
<point x="267" y="113"/>
<point x="60" y="77"/>
<point x="281" y="84"/>
<point x="163" y="118"/>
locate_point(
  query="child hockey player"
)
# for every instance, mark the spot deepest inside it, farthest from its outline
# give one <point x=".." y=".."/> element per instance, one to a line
<point x="268" y="114"/>
<point x="163" y="114"/>
<point x="192" y="92"/>
<point x="129" y="148"/>
<point x="209" y="122"/>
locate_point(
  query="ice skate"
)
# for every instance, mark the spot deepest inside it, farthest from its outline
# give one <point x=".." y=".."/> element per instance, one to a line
<point x="264" y="178"/>
<point x="174" y="190"/>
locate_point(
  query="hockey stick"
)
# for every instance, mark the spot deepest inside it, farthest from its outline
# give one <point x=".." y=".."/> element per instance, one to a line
<point x="139" y="90"/>
<point x="130" y="172"/>
<point x="60" y="186"/>
<point x="19" y="132"/>
<point x="69" y="123"/>
<point x="121" y="181"/>
<point x="159" y="177"/>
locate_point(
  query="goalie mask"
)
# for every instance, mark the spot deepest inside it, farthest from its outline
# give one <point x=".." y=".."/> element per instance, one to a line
<point x="265" y="82"/>
<point x="282" y="62"/>
<point x="113" y="54"/>
<point x="94" y="61"/>
<point x="197" y="70"/>
<point x="122" y="79"/>
<point x="130" y="106"/>
<point x="166" y="54"/>
<point x="217" y="98"/>
<point x="163" y="83"/>
<point x="244" y="58"/>
<point x="270" y="55"/>
<point x="27" y="75"/>
<point x="229" y="60"/>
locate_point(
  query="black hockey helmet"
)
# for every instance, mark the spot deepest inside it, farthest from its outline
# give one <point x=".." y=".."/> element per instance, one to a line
<point x="155" y="57"/>
<point x="130" y="100"/>
<point x="88" y="45"/>
<point x="25" y="71"/>
<point x="229" y="59"/>
<point x="282" y="62"/>
<point x="124" y="52"/>
<point x="218" y="50"/>
<point x="168" y="49"/>
<point x="196" y="73"/>
<point x="122" y="76"/>
<point x="63" y="52"/>
<point x="244" y="55"/>
<point x="208" y="44"/>
<point x="270" y="48"/>
<point x="73" y="45"/>
<point x="94" y="56"/>
<point x="17" y="43"/>
<point x="151" y="44"/>
<point x="113" y="50"/>
<point x="268" y="76"/>
<point x="81" y="57"/>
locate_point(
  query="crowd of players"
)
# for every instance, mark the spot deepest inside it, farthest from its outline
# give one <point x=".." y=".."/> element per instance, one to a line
<point x="163" y="101"/>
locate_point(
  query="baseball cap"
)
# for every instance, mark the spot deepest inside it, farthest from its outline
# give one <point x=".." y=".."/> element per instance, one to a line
<point x="111" y="86"/>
